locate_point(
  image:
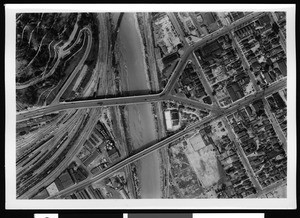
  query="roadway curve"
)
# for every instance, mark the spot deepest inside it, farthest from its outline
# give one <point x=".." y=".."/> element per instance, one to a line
<point x="87" y="129"/>
<point x="170" y="139"/>
<point x="143" y="98"/>
<point x="60" y="53"/>
<point x="150" y="98"/>
<point x="78" y="67"/>
<point x="132" y="158"/>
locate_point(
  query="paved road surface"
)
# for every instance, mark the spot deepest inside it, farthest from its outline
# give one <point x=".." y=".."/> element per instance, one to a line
<point x="245" y="63"/>
<point x="132" y="158"/>
<point x="60" y="53"/>
<point x="165" y="142"/>
<point x="64" y="163"/>
<point x="150" y="98"/>
<point x="267" y="189"/>
<point x="275" y="124"/>
<point x="242" y="155"/>
<point x="102" y="103"/>
<point x="79" y="66"/>
<point x="139" y="99"/>
<point x="178" y="29"/>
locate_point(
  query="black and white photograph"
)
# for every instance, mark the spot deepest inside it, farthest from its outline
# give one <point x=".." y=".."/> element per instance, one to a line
<point x="119" y="106"/>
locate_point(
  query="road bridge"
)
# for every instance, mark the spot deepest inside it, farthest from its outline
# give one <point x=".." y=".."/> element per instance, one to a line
<point x="143" y="98"/>
<point x="164" y="95"/>
<point x="170" y="139"/>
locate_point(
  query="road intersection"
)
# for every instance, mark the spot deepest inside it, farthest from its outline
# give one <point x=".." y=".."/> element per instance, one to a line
<point x="170" y="139"/>
<point x="165" y="95"/>
<point x="142" y="98"/>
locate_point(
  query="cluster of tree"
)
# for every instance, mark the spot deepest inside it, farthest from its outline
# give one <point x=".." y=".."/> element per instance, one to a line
<point x="23" y="78"/>
<point x="86" y="19"/>
<point x="69" y="25"/>
<point x="28" y="96"/>
<point x="57" y="75"/>
<point x="92" y="19"/>
<point x="28" y="27"/>
<point x="41" y="59"/>
<point x="25" y="52"/>
<point x="91" y="61"/>
<point x="48" y="25"/>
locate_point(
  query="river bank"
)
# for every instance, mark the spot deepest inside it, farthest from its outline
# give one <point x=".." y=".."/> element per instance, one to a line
<point x="139" y="121"/>
<point x="147" y="39"/>
<point x="130" y="56"/>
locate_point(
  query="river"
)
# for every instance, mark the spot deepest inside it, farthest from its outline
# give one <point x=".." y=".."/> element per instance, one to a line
<point x="132" y="50"/>
<point x="140" y="118"/>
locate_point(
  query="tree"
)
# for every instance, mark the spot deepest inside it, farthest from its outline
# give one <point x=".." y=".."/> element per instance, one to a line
<point x="30" y="95"/>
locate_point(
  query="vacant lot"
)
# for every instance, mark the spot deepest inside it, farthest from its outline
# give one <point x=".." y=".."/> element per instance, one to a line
<point x="205" y="165"/>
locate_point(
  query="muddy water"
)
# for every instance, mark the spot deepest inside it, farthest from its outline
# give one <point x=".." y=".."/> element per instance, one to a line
<point x="140" y="118"/>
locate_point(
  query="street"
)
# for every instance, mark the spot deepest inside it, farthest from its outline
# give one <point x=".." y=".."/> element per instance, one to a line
<point x="95" y="105"/>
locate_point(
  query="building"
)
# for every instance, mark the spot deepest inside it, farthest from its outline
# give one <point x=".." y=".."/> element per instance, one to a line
<point x="282" y="66"/>
<point x="172" y="119"/>
<point x="170" y="58"/>
<point x="58" y="184"/>
<point x="83" y="194"/>
<point x="112" y="151"/>
<point x="96" y="170"/>
<point x="92" y="157"/>
<point x="235" y="16"/>
<point x="279" y="101"/>
<point x="235" y="91"/>
<point x="96" y="192"/>
<point x="88" y="145"/>
<point x="41" y="195"/>
<point x="165" y="35"/>
<point x="52" y="189"/>
<point x="66" y="179"/>
<point x="210" y="48"/>
<point x="265" y="21"/>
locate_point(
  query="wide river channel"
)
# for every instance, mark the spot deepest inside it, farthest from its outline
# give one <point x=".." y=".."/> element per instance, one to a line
<point x="140" y="117"/>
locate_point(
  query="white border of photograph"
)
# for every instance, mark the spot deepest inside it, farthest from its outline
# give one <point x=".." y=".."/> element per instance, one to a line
<point x="10" y="118"/>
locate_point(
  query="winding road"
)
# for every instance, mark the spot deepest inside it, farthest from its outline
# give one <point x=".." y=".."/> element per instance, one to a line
<point x="144" y="98"/>
<point x="166" y="94"/>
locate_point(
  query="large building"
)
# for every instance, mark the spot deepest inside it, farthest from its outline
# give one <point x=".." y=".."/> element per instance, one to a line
<point x="165" y="35"/>
<point x="64" y="181"/>
<point x="172" y="119"/>
<point x="235" y="91"/>
<point x="92" y="157"/>
<point x="170" y="58"/>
